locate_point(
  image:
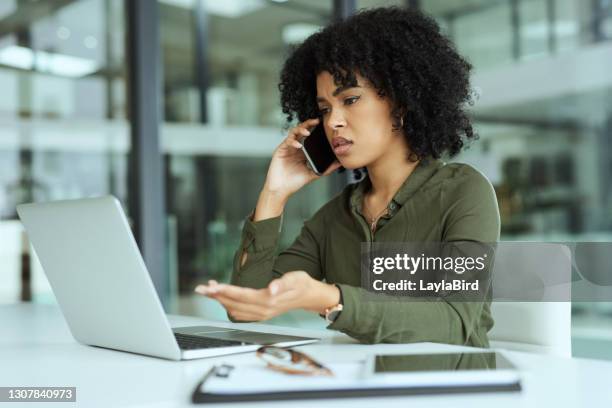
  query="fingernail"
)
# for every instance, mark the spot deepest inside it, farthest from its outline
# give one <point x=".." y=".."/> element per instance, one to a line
<point x="200" y="289"/>
<point x="212" y="282"/>
<point x="273" y="289"/>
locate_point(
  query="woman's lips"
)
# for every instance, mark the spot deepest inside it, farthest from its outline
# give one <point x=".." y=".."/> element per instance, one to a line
<point x="341" y="145"/>
<point x="342" y="149"/>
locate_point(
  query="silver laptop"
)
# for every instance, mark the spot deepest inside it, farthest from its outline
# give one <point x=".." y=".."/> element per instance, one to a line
<point x="104" y="290"/>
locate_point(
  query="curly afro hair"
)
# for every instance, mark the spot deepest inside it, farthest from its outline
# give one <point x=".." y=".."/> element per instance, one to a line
<point x="402" y="53"/>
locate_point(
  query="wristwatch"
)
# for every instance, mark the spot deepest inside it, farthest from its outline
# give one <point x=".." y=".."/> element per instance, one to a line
<point x="332" y="313"/>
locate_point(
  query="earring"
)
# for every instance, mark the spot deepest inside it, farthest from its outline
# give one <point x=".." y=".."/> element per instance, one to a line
<point x="401" y="123"/>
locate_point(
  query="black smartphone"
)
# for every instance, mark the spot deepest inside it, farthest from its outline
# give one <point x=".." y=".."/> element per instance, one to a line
<point x="318" y="151"/>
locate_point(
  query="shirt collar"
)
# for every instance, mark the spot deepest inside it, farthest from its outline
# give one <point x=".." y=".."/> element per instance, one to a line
<point x="419" y="176"/>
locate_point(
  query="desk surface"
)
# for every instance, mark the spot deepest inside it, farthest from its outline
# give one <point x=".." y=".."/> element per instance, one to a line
<point x="36" y="349"/>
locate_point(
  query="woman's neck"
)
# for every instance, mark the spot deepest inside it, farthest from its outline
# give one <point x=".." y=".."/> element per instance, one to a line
<point x="389" y="173"/>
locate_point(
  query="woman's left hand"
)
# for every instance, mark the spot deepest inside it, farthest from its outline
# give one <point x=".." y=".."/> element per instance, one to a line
<point x="294" y="290"/>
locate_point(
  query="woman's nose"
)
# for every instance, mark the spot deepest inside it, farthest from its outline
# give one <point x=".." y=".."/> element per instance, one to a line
<point x="336" y="120"/>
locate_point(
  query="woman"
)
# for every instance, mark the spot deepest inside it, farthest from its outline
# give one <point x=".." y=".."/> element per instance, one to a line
<point x="390" y="91"/>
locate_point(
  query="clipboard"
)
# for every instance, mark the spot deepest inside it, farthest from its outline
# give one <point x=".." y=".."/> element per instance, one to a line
<point x="221" y="384"/>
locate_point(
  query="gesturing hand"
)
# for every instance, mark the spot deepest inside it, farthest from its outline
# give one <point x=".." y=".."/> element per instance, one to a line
<point x="294" y="290"/>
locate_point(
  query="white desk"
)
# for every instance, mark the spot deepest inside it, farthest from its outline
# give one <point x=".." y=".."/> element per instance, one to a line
<point x="36" y="349"/>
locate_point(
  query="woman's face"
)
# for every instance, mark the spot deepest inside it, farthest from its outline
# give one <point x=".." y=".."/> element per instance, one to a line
<point x="357" y="121"/>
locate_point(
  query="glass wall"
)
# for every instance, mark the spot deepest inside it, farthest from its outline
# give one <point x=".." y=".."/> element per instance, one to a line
<point x="213" y="184"/>
<point x="543" y="116"/>
<point x="497" y="33"/>
<point x="62" y="119"/>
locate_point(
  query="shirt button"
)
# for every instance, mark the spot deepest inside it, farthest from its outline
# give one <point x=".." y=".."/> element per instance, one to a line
<point x="392" y="206"/>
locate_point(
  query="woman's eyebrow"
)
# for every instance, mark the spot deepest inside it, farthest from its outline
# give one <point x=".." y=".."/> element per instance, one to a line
<point x="338" y="90"/>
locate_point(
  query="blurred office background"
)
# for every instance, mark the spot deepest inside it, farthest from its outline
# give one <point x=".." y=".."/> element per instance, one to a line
<point x="78" y="118"/>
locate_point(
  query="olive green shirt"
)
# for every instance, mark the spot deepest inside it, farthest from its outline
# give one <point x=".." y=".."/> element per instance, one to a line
<point x="438" y="202"/>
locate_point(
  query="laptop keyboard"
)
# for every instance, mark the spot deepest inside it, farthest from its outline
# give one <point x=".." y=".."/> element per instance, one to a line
<point x="187" y="342"/>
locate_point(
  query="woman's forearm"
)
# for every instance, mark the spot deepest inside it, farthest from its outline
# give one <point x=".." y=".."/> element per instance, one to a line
<point x="269" y="205"/>
<point x="380" y="318"/>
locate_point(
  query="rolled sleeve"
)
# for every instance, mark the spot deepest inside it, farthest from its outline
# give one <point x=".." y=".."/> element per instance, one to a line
<point x="260" y="241"/>
<point x="390" y="320"/>
<point x="261" y="235"/>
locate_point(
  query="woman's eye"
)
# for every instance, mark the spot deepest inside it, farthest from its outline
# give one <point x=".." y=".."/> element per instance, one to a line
<point x="351" y="100"/>
<point x="323" y="111"/>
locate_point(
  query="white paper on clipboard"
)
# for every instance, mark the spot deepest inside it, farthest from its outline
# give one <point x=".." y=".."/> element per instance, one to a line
<point x="257" y="379"/>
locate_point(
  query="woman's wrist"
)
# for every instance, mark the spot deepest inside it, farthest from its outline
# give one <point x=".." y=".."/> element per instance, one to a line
<point x="269" y="205"/>
<point x="326" y="295"/>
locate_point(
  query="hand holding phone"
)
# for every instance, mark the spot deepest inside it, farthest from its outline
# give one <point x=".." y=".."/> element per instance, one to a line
<point x="288" y="171"/>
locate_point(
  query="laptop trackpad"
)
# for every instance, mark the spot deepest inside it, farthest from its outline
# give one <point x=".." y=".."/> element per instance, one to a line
<point x="235" y="334"/>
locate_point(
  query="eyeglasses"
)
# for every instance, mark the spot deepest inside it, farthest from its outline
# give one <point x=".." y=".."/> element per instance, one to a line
<point x="291" y="362"/>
